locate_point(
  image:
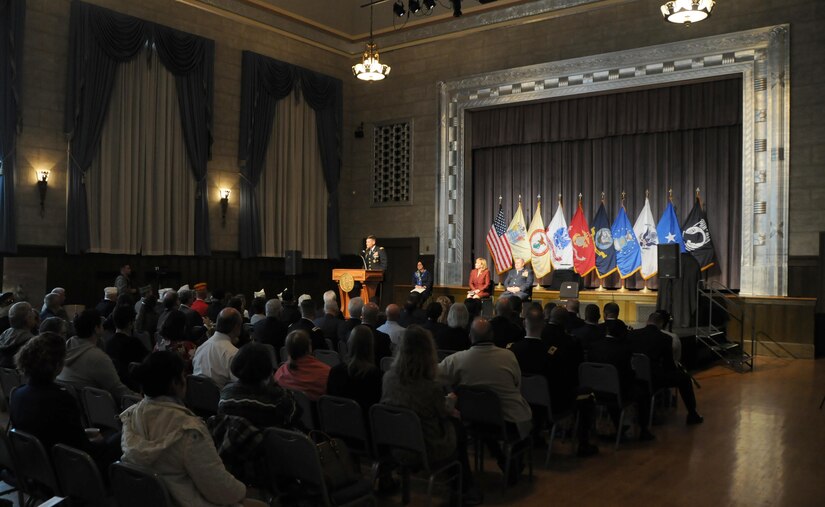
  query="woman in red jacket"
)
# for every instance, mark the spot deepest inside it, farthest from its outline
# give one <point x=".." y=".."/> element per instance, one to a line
<point x="479" y="280"/>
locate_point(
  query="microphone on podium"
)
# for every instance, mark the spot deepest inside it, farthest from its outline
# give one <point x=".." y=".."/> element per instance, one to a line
<point x="363" y="258"/>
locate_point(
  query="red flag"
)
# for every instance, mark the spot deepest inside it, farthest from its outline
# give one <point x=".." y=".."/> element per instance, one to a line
<point x="584" y="252"/>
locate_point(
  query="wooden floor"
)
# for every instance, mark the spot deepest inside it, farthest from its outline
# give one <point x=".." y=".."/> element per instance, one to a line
<point x="762" y="443"/>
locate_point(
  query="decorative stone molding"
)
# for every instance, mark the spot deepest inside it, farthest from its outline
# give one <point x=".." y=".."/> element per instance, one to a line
<point x="760" y="56"/>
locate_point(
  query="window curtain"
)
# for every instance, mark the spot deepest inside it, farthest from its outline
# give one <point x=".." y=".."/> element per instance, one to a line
<point x="291" y="193"/>
<point x="99" y="41"/>
<point x="264" y="83"/>
<point x="679" y="137"/>
<point x="12" y="17"/>
<point x="139" y="188"/>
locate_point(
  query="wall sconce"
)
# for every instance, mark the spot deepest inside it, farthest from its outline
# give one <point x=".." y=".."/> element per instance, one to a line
<point x="42" y="186"/>
<point x="224" y="204"/>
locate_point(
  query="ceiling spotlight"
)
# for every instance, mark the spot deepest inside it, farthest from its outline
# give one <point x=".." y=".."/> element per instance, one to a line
<point x="456" y="8"/>
<point x="429" y="4"/>
<point x="398" y="9"/>
<point x="415" y="6"/>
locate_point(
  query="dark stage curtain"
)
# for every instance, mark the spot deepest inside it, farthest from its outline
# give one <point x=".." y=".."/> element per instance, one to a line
<point x="12" y="17"/>
<point x="265" y="81"/>
<point x="679" y="137"/>
<point x="99" y="40"/>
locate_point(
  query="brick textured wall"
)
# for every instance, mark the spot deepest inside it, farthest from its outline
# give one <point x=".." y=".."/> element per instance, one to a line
<point x="410" y="92"/>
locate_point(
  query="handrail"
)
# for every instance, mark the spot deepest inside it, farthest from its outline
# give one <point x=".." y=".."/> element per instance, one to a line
<point x="707" y="288"/>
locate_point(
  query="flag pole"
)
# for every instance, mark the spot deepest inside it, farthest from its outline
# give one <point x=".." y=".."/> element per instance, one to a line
<point x="645" y="290"/>
<point x="600" y="288"/>
<point x="535" y="277"/>
<point x="622" y="288"/>
<point x="500" y="286"/>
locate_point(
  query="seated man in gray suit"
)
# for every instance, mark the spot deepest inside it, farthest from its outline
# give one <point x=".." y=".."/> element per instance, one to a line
<point x="519" y="281"/>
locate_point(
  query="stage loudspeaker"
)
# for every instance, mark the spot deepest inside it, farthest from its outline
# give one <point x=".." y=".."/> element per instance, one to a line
<point x="569" y="290"/>
<point x="292" y="263"/>
<point x="670" y="261"/>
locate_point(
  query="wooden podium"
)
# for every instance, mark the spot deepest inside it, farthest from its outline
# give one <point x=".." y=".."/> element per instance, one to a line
<point x="346" y="278"/>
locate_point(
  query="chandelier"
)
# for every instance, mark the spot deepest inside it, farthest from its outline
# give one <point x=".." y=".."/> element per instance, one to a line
<point x="370" y="68"/>
<point x="687" y="11"/>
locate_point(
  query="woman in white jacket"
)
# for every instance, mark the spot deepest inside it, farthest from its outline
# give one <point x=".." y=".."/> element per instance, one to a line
<point x="162" y="434"/>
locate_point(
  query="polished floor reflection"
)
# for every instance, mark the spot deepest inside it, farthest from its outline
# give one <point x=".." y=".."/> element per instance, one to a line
<point x="762" y="443"/>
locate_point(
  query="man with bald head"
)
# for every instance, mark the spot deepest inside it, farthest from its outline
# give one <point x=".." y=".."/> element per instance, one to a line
<point x="392" y="327"/>
<point x="213" y="358"/>
<point x="486" y="365"/>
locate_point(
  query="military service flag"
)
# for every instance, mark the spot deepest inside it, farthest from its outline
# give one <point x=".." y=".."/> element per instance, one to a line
<point x="517" y="236"/>
<point x="696" y="234"/>
<point x="539" y="247"/>
<point x="645" y="230"/>
<point x="628" y="254"/>
<point x="584" y="253"/>
<point x="561" y="248"/>
<point x="603" y="241"/>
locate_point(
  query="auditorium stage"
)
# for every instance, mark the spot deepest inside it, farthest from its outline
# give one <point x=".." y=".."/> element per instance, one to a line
<point x="784" y="326"/>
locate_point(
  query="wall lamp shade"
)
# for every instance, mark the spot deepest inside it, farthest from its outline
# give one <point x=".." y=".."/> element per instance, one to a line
<point x="687" y="11"/>
<point x="224" y="192"/>
<point x="42" y="187"/>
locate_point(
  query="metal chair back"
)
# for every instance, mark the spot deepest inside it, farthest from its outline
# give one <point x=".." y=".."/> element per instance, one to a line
<point x="202" y="395"/>
<point x="78" y="476"/>
<point x="100" y="408"/>
<point x="137" y="486"/>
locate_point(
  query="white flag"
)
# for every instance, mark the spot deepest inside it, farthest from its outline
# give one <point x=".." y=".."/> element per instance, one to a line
<point x="645" y="230"/>
<point x="561" y="248"/>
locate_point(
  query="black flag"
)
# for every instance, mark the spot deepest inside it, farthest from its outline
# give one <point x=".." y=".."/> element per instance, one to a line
<point x="696" y="235"/>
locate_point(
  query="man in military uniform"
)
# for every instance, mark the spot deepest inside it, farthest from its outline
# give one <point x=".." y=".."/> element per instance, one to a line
<point x="519" y="282"/>
<point x="375" y="257"/>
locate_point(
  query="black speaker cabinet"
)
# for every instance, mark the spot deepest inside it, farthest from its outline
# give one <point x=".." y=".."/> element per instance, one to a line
<point x="670" y="262"/>
<point x="292" y="263"/>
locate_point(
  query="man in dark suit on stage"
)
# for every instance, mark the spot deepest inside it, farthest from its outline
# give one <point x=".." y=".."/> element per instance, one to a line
<point x="519" y="281"/>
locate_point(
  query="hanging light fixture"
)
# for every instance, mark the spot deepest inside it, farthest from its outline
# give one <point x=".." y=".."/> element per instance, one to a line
<point x="370" y="68"/>
<point x="687" y="11"/>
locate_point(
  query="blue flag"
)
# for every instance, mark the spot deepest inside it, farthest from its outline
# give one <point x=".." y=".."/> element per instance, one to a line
<point x="628" y="253"/>
<point x="669" y="230"/>
<point x="603" y="241"/>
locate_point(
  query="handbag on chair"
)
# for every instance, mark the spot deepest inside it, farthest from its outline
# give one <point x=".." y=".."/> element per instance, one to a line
<point x="336" y="462"/>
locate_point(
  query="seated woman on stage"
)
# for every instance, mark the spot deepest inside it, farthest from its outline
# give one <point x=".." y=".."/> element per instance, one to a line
<point x="423" y="281"/>
<point x="479" y="280"/>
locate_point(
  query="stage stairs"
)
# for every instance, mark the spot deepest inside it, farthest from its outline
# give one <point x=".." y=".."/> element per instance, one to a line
<point x="713" y="297"/>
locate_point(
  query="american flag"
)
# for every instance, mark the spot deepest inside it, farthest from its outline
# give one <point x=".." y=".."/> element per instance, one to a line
<point x="498" y="244"/>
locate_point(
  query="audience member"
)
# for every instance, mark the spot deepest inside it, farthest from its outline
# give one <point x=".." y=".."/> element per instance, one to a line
<point x="392" y="328"/>
<point x="612" y="325"/>
<point x="590" y="331"/>
<point x="46" y="410"/>
<point x="170" y="303"/>
<point x="657" y="346"/>
<point x="219" y="300"/>
<point x="473" y="308"/>
<point x="446" y="302"/>
<point x="290" y="313"/>
<point x="200" y="304"/>
<point x="271" y="330"/>
<point x="573" y="320"/>
<point x="255" y="396"/>
<point x="359" y="378"/>
<point x="22" y="319"/>
<point x="382" y="345"/>
<point x="456" y="336"/>
<point x="162" y="434"/>
<point x="6" y="301"/>
<point x="432" y="324"/>
<point x="412" y="314"/>
<point x="109" y="302"/>
<point x="307" y="307"/>
<point x="214" y="357"/>
<point x="172" y="336"/>
<point x="354" y="308"/>
<point x="302" y="371"/>
<point x="411" y="383"/>
<point x="331" y="321"/>
<point x="124" y="348"/>
<point x="123" y="282"/>
<point x="55" y="325"/>
<point x="676" y="342"/>
<point x="548" y="309"/>
<point x="51" y="306"/>
<point x="87" y="365"/>
<point x="194" y="321"/>
<point x="147" y="312"/>
<point x="258" y="310"/>
<point x="504" y="330"/>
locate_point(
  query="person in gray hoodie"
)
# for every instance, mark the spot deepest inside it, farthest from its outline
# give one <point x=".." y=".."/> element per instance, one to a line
<point x="22" y="319"/>
<point x="87" y="365"/>
<point x="162" y="434"/>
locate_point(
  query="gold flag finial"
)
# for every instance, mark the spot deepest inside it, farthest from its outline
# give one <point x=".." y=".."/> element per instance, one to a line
<point x="647" y="194"/>
<point x="670" y="194"/>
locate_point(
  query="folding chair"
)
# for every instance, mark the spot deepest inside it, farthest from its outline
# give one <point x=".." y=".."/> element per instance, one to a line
<point x="75" y="392"/>
<point x="480" y="410"/>
<point x="400" y="428"/>
<point x="344" y="418"/>
<point x="330" y="345"/>
<point x="641" y="366"/>
<point x="100" y="408"/>
<point x="535" y="390"/>
<point x="9" y="379"/>
<point x="8" y="469"/>
<point x="78" y="477"/>
<point x="292" y="455"/>
<point x="127" y="400"/>
<point x="33" y="466"/>
<point x="386" y="363"/>
<point x="137" y="486"/>
<point x="202" y="395"/>
<point x="308" y="409"/>
<point x="329" y="357"/>
<point x="604" y="380"/>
